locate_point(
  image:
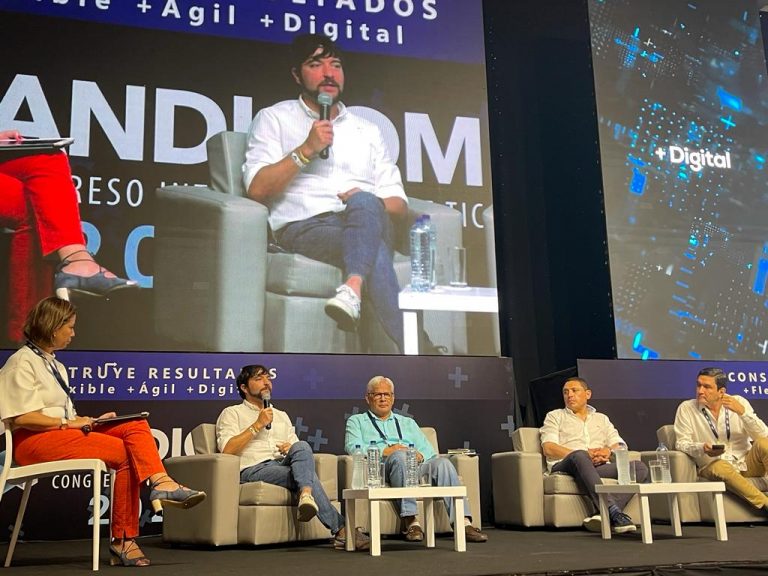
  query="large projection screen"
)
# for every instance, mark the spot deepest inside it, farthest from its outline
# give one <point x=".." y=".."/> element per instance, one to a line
<point x="142" y="86"/>
<point x="682" y="104"/>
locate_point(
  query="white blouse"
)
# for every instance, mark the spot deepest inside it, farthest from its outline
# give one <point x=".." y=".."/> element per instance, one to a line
<point x="28" y="385"/>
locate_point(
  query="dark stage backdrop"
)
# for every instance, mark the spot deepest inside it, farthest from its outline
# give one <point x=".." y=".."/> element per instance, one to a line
<point x="683" y="107"/>
<point x="142" y="86"/>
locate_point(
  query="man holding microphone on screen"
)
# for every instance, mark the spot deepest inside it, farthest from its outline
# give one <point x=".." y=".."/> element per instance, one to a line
<point x="331" y="187"/>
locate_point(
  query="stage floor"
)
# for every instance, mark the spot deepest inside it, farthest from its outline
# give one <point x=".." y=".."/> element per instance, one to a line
<point x="506" y="552"/>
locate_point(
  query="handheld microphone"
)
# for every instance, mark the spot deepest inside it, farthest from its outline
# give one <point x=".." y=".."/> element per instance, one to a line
<point x="265" y="399"/>
<point x="325" y="102"/>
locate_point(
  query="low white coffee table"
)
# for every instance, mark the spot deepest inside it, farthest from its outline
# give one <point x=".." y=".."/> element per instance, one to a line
<point x="427" y="494"/>
<point x="672" y="490"/>
<point x="444" y="298"/>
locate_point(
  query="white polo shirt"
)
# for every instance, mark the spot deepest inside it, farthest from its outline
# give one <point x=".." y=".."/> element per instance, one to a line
<point x="235" y="419"/>
<point x="565" y="428"/>
<point x="358" y="159"/>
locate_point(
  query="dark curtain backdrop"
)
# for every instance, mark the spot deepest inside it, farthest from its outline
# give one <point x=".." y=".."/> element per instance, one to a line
<point x="548" y="202"/>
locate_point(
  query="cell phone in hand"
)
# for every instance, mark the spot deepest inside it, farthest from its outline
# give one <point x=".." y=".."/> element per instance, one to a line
<point x="718" y="447"/>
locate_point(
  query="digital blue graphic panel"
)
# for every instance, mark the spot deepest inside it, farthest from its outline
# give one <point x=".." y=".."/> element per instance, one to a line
<point x="682" y="110"/>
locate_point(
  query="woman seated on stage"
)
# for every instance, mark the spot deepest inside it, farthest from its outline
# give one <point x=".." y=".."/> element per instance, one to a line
<point x="35" y="404"/>
<point x="46" y="202"/>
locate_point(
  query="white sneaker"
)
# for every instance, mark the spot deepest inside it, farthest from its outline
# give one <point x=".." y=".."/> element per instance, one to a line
<point x="307" y="508"/>
<point x="344" y="308"/>
<point x="593" y="523"/>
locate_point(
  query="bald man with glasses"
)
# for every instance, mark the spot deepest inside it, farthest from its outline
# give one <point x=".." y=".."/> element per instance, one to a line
<point x="392" y="434"/>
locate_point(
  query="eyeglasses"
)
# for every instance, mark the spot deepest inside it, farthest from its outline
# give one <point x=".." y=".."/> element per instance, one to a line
<point x="379" y="395"/>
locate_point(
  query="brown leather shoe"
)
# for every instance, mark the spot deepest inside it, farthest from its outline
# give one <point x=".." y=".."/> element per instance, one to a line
<point x="474" y="535"/>
<point x="362" y="540"/>
<point x="414" y="533"/>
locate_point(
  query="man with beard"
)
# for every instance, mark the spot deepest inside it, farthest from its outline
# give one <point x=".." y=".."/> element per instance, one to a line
<point x="330" y="185"/>
<point x="722" y="433"/>
<point x="270" y="452"/>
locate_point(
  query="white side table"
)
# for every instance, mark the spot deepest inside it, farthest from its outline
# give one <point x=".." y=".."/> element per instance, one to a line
<point x="427" y="494"/>
<point x="444" y="298"/>
<point x="672" y="490"/>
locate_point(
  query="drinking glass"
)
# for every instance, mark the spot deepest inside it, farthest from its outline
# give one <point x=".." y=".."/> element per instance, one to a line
<point x="457" y="266"/>
<point x="657" y="471"/>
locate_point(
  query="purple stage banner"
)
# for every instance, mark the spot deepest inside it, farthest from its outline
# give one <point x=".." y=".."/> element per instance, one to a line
<point x="156" y="376"/>
<point x="668" y="379"/>
<point x="430" y="29"/>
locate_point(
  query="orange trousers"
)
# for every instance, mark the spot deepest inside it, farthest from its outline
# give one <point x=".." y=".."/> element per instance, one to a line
<point x="126" y="447"/>
<point x="38" y="201"/>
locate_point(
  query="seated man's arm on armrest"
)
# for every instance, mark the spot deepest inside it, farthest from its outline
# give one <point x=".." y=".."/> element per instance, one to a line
<point x="268" y="169"/>
<point x="229" y="438"/>
<point x="395" y="206"/>
<point x="685" y="434"/>
<point x="353" y="435"/>
<point x="554" y="451"/>
<point x="550" y="436"/>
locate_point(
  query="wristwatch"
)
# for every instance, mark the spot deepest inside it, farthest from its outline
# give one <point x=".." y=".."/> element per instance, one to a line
<point x="64" y="424"/>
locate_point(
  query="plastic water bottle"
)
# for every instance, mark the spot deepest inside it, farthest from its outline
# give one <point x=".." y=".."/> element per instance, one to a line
<point x="662" y="455"/>
<point x="358" y="468"/>
<point x="622" y="463"/>
<point x="373" y="477"/>
<point x="432" y="230"/>
<point x="411" y="466"/>
<point x="421" y="257"/>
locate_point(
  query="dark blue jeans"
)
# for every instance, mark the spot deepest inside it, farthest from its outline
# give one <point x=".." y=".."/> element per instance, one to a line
<point x="359" y="241"/>
<point x="441" y="473"/>
<point x="294" y="472"/>
<point x="579" y="465"/>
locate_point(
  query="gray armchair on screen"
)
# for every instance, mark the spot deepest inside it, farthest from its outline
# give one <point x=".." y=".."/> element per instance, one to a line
<point x="219" y="287"/>
<point x="525" y="494"/>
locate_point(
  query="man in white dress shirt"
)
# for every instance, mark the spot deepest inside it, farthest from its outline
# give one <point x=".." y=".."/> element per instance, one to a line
<point x="578" y="441"/>
<point x="270" y="451"/>
<point x="722" y="433"/>
<point x="330" y="185"/>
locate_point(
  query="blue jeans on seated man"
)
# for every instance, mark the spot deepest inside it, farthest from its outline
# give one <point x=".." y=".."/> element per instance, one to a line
<point x="579" y="465"/>
<point x="294" y="472"/>
<point x="357" y="240"/>
<point x="441" y="473"/>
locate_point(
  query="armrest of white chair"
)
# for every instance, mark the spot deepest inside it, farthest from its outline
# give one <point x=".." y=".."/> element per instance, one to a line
<point x="210" y="257"/>
<point x="326" y="466"/>
<point x="214" y="521"/>
<point x="518" y="488"/>
<point x="468" y="468"/>
<point x="682" y="468"/>
<point x="344" y="463"/>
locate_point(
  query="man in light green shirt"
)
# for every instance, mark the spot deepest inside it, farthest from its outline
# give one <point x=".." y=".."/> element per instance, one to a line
<point x="392" y="434"/>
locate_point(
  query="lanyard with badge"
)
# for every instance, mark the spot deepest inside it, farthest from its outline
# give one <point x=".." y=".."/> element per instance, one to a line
<point x="57" y="375"/>
<point x="714" y="428"/>
<point x="383" y="436"/>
